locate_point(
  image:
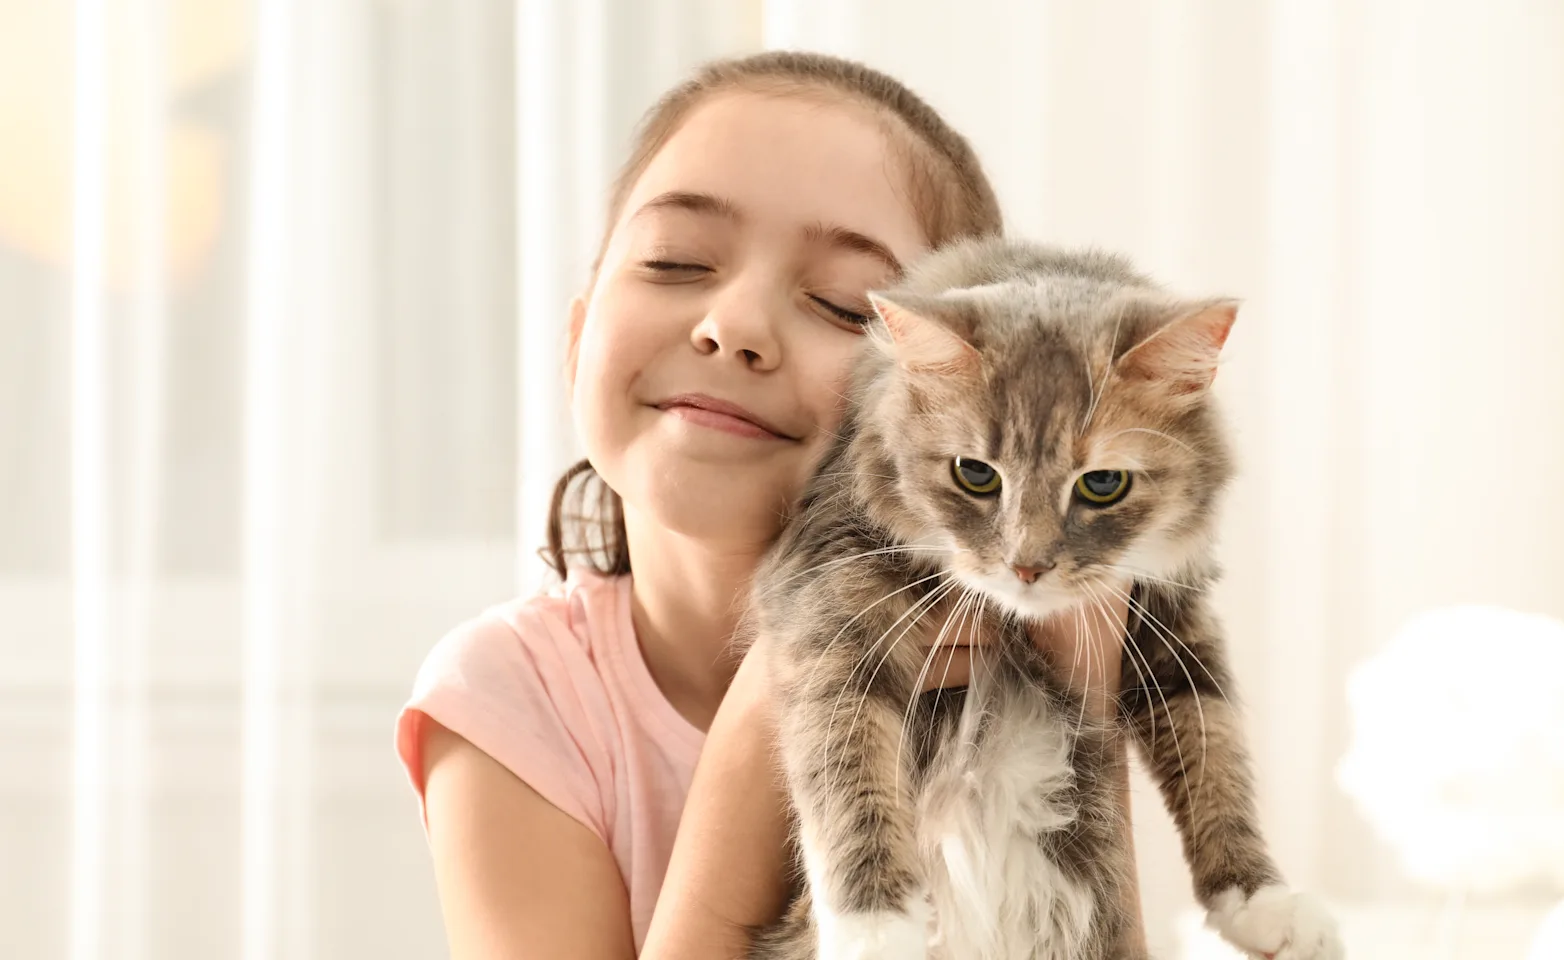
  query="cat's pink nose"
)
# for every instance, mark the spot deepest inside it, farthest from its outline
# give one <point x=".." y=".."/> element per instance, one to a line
<point x="1029" y="574"/>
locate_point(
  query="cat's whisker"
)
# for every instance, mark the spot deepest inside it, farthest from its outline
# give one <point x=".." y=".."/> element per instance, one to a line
<point x="917" y="610"/>
<point x="1156" y="433"/>
<point x="1080" y="642"/>
<point x="1165" y="631"/>
<point x="927" y="602"/>
<point x="1163" y="634"/>
<point x="893" y="548"/>
<point x="826" y="650"/>
<point x="1145" y="681"/>
<point x="854" y="475"/>
<point x="1091" y="390"/>
<point x="978" y="617"/>
<point x="1139" y="574"/>
<point x="1158" y="629"/>
<point x="1107" y="368"/>
<point x="1167" y="708"/>
<point x="1107" y="618"/>
<point x="934" y="598"/>
<point x="1153" y="687"/>
<point x="962" y="603"/>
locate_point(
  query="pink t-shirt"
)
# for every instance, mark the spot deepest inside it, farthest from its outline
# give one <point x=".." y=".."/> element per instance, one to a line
<point x="554" y="687"/>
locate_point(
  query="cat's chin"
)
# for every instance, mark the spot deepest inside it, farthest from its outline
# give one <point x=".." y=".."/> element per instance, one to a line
<point x="1028" y="602"/>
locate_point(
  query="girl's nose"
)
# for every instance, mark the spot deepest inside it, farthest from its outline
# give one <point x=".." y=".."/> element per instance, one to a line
<point x="742" y="325"/>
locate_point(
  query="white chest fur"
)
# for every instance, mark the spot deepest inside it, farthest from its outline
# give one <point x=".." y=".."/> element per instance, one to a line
<point x="994" y="890"/>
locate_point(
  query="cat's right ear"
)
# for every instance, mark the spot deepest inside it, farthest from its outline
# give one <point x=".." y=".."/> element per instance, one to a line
<point x="921" y="343"/>
<point x="1182" y="351"/>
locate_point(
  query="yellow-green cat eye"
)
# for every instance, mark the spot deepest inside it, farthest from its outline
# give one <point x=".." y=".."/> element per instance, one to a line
<point x="975" y="476"/>
<point x="1102" y="487"/>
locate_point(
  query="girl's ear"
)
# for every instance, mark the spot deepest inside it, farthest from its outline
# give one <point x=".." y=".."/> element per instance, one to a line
<point x="578" y="313"/>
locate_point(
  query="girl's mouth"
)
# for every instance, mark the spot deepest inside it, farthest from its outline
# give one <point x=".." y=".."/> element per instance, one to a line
<point x="721" y="415"/>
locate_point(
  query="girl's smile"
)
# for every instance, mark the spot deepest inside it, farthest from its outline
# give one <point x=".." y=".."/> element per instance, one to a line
<point x="705" y="411"/>
<point x="730" y="305"/>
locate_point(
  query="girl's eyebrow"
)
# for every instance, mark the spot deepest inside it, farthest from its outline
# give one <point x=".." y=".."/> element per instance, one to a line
<point x="692" y="202"/>
<point x="830" y="234"/>
<point x="838" y="236"/>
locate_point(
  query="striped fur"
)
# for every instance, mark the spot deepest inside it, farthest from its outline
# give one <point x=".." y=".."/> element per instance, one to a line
<point x="984" y="822"/>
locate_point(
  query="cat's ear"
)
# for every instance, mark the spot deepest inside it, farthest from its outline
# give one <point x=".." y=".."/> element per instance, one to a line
<point x="1182" y="352"/>
<point x="920" y="341"/>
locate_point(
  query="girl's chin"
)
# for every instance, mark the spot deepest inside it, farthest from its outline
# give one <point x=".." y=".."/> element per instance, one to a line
<point x="713" y="508"/>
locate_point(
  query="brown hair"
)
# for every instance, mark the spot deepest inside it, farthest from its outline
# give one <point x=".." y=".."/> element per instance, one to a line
<point x="951" y="197"/>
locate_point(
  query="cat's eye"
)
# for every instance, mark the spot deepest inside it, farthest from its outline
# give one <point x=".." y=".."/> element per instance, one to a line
<point x="975" y="476"/>
<point x="1102" y="487"/>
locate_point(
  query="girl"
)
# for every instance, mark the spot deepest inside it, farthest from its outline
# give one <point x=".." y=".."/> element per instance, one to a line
<point x="553" y="741"/>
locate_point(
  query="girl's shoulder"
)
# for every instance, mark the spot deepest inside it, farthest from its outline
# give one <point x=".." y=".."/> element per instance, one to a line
<point x="528" y="683"/>
<point x="580" y="617"/>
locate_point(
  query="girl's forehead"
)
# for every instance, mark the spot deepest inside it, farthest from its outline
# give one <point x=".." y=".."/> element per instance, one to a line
<point x="780" y="162"/>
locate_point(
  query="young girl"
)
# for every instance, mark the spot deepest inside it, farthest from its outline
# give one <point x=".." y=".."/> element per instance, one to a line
<point x="553" y="741"/>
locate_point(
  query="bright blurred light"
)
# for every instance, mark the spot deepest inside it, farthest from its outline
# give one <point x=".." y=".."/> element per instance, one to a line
<point x="1549" y="942"/>
<point x="1457" y="752"/>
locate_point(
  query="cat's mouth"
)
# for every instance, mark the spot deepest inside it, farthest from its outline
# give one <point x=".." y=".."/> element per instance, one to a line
<point x="1037" y="599"/>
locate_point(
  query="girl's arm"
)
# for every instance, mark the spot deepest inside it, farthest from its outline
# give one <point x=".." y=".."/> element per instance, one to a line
<point x="518" y="878"/>
<point x="728" y="871"/>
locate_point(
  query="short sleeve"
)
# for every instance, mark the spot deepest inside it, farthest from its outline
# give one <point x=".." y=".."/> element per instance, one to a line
<point x="519" y="687"/>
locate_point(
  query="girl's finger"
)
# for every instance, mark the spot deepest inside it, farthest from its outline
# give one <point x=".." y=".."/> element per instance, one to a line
<point x="1086" y="646"/>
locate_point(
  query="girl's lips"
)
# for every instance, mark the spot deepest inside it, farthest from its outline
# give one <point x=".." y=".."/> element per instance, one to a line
<point x="720" y="421"/>
<point x="721" y="415"/>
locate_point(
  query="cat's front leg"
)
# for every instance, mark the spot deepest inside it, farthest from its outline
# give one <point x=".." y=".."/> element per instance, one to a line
<point x="1176" y="702"/>
<point x="842" y="748"/>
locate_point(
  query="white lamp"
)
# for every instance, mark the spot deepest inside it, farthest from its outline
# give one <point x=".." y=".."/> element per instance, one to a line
<point x="1457" y="752"/>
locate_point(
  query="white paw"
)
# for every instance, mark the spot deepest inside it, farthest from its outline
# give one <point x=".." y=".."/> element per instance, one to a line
<point x="873" y="936"/>
<point x="1277" y="924"/>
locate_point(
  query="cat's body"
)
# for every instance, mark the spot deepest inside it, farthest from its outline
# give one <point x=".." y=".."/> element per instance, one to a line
<point x="1033" y="435"/>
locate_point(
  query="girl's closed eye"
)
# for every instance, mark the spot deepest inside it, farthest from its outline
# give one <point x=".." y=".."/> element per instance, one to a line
<point x="843" y="309"/>
<point x="666" y="267"/>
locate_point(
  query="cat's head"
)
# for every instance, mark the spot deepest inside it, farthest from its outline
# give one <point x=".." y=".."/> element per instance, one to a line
<point x="1050" y="431"/>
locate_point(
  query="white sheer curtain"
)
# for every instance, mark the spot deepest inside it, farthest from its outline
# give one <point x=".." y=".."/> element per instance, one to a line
<point x="269" y="423"/>
<point x="258" y="432"/>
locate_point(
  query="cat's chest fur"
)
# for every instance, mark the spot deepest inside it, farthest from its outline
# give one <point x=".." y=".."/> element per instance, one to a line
<point x="994" y="809"/>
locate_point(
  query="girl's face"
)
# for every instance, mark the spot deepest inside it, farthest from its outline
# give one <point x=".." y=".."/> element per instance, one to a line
<point x="729" y="306"/>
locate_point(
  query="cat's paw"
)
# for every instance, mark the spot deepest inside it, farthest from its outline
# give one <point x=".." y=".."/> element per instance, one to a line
<point x="883" y="935"/>
<point x="1276" y="924"/>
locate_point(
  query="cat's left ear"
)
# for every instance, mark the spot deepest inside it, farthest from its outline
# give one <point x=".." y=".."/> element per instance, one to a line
<point x="921" y="341"/>
<point x="1183" y="352"/>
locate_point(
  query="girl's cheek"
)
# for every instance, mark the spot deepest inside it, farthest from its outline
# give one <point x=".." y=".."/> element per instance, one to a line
<point x="834" y="370"/>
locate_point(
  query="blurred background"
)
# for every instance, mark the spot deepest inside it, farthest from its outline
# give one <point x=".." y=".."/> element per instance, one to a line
<point x="282" y="305"/>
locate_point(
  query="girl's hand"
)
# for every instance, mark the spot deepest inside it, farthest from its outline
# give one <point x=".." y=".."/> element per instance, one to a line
<point x="1086" y="646"/>
<point x="729" y="869"/>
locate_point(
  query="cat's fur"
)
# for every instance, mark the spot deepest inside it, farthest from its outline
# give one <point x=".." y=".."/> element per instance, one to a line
<point x="986" y="822"/>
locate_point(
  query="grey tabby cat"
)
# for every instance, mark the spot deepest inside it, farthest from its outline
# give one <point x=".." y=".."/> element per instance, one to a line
<point x="1033" y="433"/>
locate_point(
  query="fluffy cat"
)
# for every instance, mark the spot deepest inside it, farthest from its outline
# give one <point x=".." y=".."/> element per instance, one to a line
<point x="1032" y="431"/>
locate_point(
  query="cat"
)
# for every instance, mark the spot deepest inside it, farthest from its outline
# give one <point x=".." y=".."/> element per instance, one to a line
<point x="1031" y="431"/>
